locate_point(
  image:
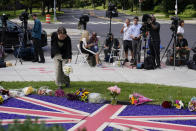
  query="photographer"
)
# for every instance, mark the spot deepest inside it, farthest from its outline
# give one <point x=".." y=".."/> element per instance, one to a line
<point x="154" y="44"/>
<point x="182" y="50"/>
<point x="127" y="41"/>
<point x="110" y="44"/>
<point x="36" y="34"/>
<point x="136" y="36"/>
<point x="61" y="51"/>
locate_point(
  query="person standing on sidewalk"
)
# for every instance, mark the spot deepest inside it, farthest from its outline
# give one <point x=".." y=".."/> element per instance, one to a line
<point x="61" y="52"/>
<point x="36" y="35"/>
<point x="136" y="36"/>
<point x="181" y="27"/>
<point x="127" y="41"/>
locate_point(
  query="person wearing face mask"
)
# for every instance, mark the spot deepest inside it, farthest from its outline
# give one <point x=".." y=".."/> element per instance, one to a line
<point x="61" y="52"/>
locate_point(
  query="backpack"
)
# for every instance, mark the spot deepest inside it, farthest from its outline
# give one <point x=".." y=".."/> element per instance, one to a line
<point x="27" y="54"/>
<point x="191" y="64"/>
<point x="149" y="63"/>
<point x="91" y="60"/>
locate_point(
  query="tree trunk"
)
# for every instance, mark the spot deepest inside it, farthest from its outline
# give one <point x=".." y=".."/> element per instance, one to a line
<point x="14" y="7"/>
<point x="48" y="11"/>
<point x="43" y="7"/>
<point x="59" y="5"/>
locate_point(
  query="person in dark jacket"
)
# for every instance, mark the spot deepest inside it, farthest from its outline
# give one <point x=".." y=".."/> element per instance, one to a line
<point x="111" y="43"/>
<point x="182" y="49"/>
<point x="36" y="35"/>
<point x="61" y="52"/>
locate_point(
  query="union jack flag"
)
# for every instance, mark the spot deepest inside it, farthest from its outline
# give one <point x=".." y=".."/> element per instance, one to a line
<point x="104" y="116"/>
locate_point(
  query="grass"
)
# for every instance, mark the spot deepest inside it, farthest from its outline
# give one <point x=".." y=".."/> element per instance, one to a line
<point x="158" y="93"/>
<point x="37" y="11"/>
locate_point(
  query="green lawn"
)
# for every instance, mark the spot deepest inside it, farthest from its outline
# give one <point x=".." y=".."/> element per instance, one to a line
<point x="37" y="11"/>
<point x="158" y="93"/>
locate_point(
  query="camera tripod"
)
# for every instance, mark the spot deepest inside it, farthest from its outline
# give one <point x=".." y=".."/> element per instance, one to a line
<point x="174" y="36"/>
<point x="3" y="38"/>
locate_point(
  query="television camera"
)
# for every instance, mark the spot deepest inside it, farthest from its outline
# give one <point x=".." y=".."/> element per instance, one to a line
<point x="174" y="24"/>
<point x="146" y="25"/>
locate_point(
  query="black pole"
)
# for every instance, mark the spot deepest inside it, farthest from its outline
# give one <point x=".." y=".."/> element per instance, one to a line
<point x="110" y="30"/>
<point x="174" y="49"/>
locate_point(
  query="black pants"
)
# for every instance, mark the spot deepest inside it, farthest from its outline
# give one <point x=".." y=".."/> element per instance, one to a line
<point x="155" y="51"/>
<point x="38" y="52"/>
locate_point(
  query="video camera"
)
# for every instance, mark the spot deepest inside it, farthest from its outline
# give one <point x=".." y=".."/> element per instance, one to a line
<point x="84" y="19"/>
<point x="112" y="11"/>
<point x="24" y="16"/>
<point x="174" y="24"/>
<point x="4" y="19"/>
<point x="146" y="26"/>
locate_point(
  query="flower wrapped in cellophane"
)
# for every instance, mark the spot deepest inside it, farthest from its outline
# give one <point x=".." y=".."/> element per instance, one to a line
<point x="137" y="99"/>
<point x="192" y="104"/>
<point x="67" y="69"/>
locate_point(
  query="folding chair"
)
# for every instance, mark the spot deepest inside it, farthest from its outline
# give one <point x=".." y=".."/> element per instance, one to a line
<point x="83" y="56"/>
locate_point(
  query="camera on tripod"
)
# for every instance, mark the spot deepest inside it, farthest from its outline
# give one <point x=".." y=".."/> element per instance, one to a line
<point x="84" y="19"/>
<point x="24" y="16"/>
<point x="146" y="26"/>
<point x="174" y="24"/>
<point x="112" y="11"/>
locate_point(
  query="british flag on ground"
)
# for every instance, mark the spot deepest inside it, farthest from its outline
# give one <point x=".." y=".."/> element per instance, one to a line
<point x="74" y="115"/>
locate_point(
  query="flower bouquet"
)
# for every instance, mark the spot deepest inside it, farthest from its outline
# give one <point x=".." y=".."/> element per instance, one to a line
<point x="21" y="92"/>
<point x="59" y="93"/>
<point x="3" y="98"/>
<point x="82" y="94"/>
<point x="44" y="91"/>
<point x="178" y="104"/>
<point x="114" y="92"/>
<point x="67" y="69"/>
<point x="137" y="99"/>
<point x="192" y="104"/>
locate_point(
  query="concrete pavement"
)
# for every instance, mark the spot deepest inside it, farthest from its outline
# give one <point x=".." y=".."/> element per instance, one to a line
<point x="28" y="71"/>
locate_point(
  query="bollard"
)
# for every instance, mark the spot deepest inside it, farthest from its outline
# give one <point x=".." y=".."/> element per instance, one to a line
<point x="48" y="18"/>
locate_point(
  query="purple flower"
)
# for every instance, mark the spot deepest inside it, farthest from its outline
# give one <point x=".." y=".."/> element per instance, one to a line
<point x="59" y="93"/>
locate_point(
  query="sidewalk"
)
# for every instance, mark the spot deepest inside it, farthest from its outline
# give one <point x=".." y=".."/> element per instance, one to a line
<point x="29" y="71"/>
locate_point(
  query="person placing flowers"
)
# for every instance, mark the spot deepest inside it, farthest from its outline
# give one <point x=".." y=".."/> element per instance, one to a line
<point x="61" y="52"/>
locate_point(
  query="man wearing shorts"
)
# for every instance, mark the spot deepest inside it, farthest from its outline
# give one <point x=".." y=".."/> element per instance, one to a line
<point x="127" y="40"/>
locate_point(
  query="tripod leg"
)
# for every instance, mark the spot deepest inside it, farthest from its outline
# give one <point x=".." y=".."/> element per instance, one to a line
<point x="77" y="58"/>
<point x="167" y="48"/>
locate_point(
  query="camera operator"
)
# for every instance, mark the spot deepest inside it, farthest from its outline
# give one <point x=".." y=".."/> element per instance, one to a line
<point x="36" y="34"/>
<point x="182" y="50"/>
<point x="127" y="41"/>
<point x="110" y="44"/>
<point x="181" y="27"/>
<point x="136" y="36"/>
<point x="154" y="44"/>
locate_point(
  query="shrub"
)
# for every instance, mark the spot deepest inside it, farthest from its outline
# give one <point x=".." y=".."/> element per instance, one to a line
<point x="191" y="6"/>
<point x="30" y="125"/>
<point x="158" y="8"/>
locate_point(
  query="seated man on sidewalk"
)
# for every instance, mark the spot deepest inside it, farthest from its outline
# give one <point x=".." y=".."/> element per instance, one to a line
<point x="182" y="50"/>
<point x="90" y="46"/>
<point x="111" y="43"/>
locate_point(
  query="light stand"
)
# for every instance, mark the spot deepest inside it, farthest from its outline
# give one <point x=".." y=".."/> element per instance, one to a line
<point x="110" y="29"/>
